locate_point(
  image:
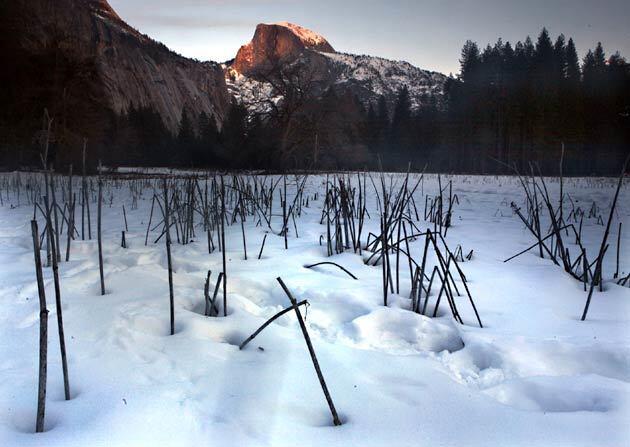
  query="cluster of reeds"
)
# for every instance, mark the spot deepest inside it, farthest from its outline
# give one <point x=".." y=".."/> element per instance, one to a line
<point x="442" y="273"/>
<point x="553" y="241"/>
<point x="435" y="210"/>
<point x="344" y="212"/>
<point x="212" y="202"/>
<point x="186" y="206"/>
<point x="397" y="209"/>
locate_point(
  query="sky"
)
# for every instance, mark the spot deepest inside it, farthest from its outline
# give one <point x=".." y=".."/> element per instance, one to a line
<point x="426" y="33"/>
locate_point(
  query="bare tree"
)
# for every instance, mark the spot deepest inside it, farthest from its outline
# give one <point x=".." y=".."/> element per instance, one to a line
<point x="284" y="99"/>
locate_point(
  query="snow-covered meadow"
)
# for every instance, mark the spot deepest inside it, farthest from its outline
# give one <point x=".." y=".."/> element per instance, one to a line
<point x="533" y="375"/>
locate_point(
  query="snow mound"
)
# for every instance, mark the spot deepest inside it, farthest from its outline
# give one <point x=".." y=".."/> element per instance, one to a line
<point x="560" y="394"/>
<point x="398" y="331"/>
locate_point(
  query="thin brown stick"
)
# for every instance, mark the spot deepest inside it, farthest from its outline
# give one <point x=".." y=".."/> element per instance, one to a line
<point x="331" y="263"/>
<point x="100" y="241"/>
<point x="58" y="307"/>
<point x="262" y="246"/>
<point x="602" y="249"/>
<point x="311" y="351"/>
<point x="43" y="331"/>
<point x="168" y="257"/>
<point x="268" y="322"/>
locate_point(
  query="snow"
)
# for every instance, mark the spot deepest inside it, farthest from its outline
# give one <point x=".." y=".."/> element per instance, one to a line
<point x="387" y="77"/>
<point x="534" y="375"/>
<point x="257" y="96"/>
<point x="308" y="37"/>
<point x="371" y="75"/>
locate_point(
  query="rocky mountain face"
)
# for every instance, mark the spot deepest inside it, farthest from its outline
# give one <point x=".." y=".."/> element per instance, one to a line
<point x="289" y="47"/>
<point x="131" y="68"/>
<point x="276" y="43"/>
<point x="369" y="77"/>
<point x="84" y="64"/>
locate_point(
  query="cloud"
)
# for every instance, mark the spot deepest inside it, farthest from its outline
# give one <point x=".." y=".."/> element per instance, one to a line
<point x="195" y="14"/>
<point x="164" y="20"/>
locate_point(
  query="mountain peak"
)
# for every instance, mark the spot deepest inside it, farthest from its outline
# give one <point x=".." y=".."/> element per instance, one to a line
<point x="309" y="38"/>
<point x="275" y="42"/>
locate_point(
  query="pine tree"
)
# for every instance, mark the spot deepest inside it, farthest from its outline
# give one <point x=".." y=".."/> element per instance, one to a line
<point x="382" y="129"/>
<point x="544" y="49"/>
<point x="208" y="139"/>
<point x="234" y="132"/>
<point x="572" y="64"/>
<point x="594" y="68"/>
<point x="571" y="101"/>
<point x="600" y="57"/>
<point x="507" y="57"/>
<point x="588" y="65"/>
<point x="559" y="58"/>
<point x="470" y="62"/>
<point x="402" y="109"/>
<point x="544" y="59"/>
<point x="372" y="129"/>
<point x="207" y="128"/>
<point x="383" y="110"/>
<point x="186" y="139"/>
<point x="529" y="51"/>
<point x="401" y="120"/>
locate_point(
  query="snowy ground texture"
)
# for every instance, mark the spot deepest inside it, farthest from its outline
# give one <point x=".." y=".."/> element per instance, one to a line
<point x="534" y="375"/>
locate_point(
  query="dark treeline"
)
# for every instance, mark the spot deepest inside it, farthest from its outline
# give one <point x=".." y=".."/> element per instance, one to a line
<point x="139" y="137"/>
<point x="510" y="105"/>
<point x="514" y="104"/>
<point x="520" y="103"/>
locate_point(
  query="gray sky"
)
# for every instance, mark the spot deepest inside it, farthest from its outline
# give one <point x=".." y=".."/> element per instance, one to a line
<point x="427" y="33"/>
